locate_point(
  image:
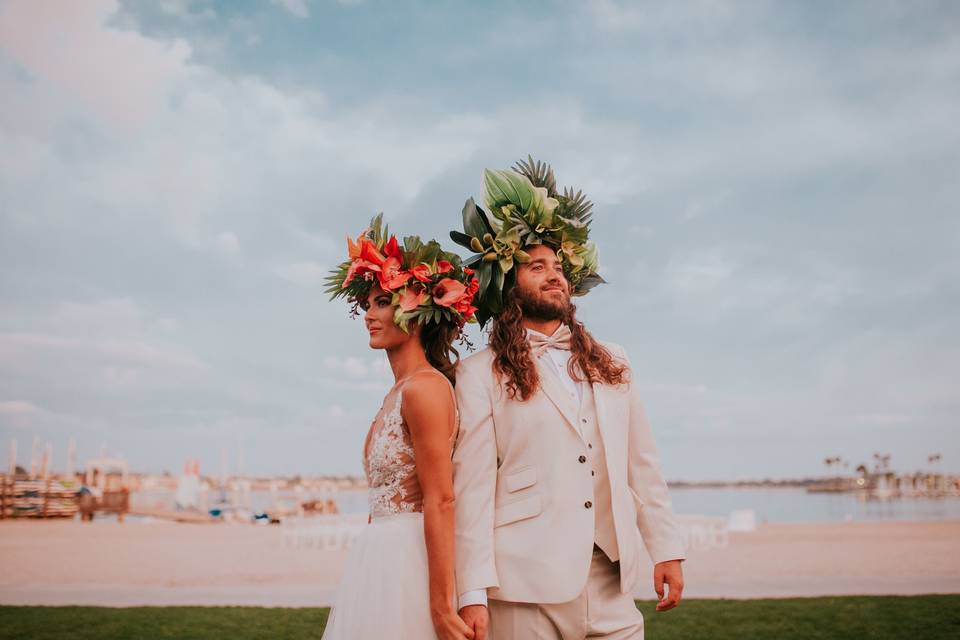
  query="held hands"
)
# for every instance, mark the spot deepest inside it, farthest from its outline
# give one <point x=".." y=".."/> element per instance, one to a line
<point x="671" y="573"/>
<point x="476" y="618"/>
<point x="449" y="626"/>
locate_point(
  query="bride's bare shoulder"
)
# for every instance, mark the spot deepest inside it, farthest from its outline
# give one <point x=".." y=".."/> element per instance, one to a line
<point x="425" y="396"/>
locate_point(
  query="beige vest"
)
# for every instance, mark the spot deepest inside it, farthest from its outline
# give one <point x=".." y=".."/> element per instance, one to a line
<point x="604" y="532"/>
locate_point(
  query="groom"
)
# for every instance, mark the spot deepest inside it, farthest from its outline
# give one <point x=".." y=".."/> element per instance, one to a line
<point x="556" y="475"/>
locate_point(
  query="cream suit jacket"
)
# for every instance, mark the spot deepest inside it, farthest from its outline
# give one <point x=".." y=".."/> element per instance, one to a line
<point x="523" y="530"/>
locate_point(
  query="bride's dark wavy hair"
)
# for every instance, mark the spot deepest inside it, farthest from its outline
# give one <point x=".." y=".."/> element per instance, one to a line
<point x="589" y="360"/>
<point x="437" y="340"/>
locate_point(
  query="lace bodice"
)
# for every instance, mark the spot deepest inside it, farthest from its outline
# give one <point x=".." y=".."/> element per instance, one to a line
<point x="390" y="465"/>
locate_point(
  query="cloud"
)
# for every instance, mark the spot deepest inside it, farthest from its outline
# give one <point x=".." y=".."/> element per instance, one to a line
<point x="297" y="8"/>
<point x="358" y="368"/>
<point x="22" y="345"/>
<point x="305" y="274"/>
<point x="883" y="419"/>
<point x="188" y="10"/>
<point x="68" y="46"/>
<point x="228" y="242"/>
<point x="772" y="198"/>
<point x="16" y="407"/>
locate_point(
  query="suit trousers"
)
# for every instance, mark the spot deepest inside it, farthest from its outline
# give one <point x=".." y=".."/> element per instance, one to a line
<point x="600" y="611"/>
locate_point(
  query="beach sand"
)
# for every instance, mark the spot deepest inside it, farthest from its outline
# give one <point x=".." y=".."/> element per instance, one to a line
<point x="164" y="563"/>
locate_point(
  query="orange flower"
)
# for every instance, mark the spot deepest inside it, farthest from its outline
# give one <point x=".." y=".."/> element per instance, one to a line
<point x="353" y="249"/>
<point x="368" y="252"/>
<point x="413" y="296"/>
<point x="448" y="291"/>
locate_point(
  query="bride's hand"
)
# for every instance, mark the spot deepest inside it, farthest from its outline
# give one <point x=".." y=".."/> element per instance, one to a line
<point x="449" y="626"/>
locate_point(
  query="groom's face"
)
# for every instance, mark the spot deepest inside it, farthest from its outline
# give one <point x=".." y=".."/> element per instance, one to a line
<point x="542" y="290"/>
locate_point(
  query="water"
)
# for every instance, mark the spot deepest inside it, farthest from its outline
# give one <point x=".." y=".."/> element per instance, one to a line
<point x="796" y="505"/>
<point x="769" y="504"/>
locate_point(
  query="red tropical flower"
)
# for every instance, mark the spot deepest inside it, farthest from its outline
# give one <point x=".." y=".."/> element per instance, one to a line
<point x="473" y="287"/>
<point x="368" y="252"/>
<point x="392" y="276"/>
<point x="392" y="249"/>
<point x="464" y="308"/>
<point x="443" y="266"/>
<point x="421" y="272"/>
<point x="413" y="296"/>
<point x="357" y="268"/>
<point x="448" y="291"/>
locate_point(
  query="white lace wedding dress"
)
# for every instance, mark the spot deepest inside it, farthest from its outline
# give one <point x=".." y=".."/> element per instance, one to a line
<point x="384" y="592"/>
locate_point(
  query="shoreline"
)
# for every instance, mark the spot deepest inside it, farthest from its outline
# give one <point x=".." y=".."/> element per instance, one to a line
<point x="175" y="564"/>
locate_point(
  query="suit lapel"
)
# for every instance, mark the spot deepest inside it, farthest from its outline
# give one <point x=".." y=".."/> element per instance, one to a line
<point x="553" y="388"/>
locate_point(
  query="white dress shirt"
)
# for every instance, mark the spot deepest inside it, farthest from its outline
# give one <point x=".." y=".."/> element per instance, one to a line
<point x="557" y="360"/>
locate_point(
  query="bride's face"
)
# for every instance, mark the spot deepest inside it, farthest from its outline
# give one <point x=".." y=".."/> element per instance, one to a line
<point x="378" y="317"/>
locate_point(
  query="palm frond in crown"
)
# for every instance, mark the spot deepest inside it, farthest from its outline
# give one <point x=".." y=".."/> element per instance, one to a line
<point x="540" y="174"/>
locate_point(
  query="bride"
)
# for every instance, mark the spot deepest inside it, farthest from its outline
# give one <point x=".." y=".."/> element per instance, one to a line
<point x="399" y="577"/>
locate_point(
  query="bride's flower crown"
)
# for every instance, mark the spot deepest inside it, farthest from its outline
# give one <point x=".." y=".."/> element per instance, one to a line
<point x="524" y="208"/>
<point x="428" y="284"/>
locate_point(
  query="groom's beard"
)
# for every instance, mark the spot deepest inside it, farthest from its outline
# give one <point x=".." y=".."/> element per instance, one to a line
<point x="539" y="306"/>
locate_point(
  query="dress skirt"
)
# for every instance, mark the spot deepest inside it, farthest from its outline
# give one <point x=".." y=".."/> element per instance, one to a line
<point x="385" y="590"/>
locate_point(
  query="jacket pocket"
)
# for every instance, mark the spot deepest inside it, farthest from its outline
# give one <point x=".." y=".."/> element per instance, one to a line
<point x="515" y="511"/>
<point x="520" y="479"/>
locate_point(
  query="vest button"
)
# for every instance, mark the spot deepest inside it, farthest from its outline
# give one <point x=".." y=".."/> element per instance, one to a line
<point x="582" y="459"/>
<point x="584" y="420"/>
<point x="593" y="473"/>
<point x="587" y="504"/>
<point x="589" y="446"/>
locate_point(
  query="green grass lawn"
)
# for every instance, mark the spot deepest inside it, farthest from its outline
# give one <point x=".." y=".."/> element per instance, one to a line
<point x="860" y="618"/>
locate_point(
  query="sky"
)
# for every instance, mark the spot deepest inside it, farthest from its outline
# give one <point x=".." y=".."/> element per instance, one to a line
<point x="776" y="190"/>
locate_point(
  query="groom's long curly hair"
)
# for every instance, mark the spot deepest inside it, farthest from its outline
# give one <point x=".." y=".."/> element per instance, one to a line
<point x="589" y="360"/>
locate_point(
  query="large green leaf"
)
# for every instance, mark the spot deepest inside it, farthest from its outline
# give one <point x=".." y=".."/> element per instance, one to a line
<point x="485" y="274"/>
<point x="461" y="239"/>
<point x="506" y="187"/>
<point x="494" y="298"/>
<point x="588" y="282"/>
<point x="472" y="261"/>
<point x="431" y="251"/>
<point x="489" y="221"/>
<point x="473" y="223"/>
<point x="482" y="315"/>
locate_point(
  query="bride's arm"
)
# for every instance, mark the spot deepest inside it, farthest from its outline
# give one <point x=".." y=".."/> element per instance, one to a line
<point x="429" y="413"/>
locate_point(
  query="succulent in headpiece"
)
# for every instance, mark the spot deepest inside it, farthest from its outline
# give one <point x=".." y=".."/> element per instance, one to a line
<point x="428" y="284"/>
<point x="524" y="208"/>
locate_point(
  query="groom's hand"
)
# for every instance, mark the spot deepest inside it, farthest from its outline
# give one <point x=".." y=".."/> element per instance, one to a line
<point x="671" y="573"/>
<point x="476" y="617"/>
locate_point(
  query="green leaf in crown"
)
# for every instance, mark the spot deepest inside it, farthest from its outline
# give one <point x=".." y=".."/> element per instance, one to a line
<point x="524" y="208"/>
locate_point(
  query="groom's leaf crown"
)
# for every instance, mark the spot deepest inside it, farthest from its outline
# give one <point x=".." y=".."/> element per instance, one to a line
<point x="428" y="284"/>
<point x="525" y="208"/>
